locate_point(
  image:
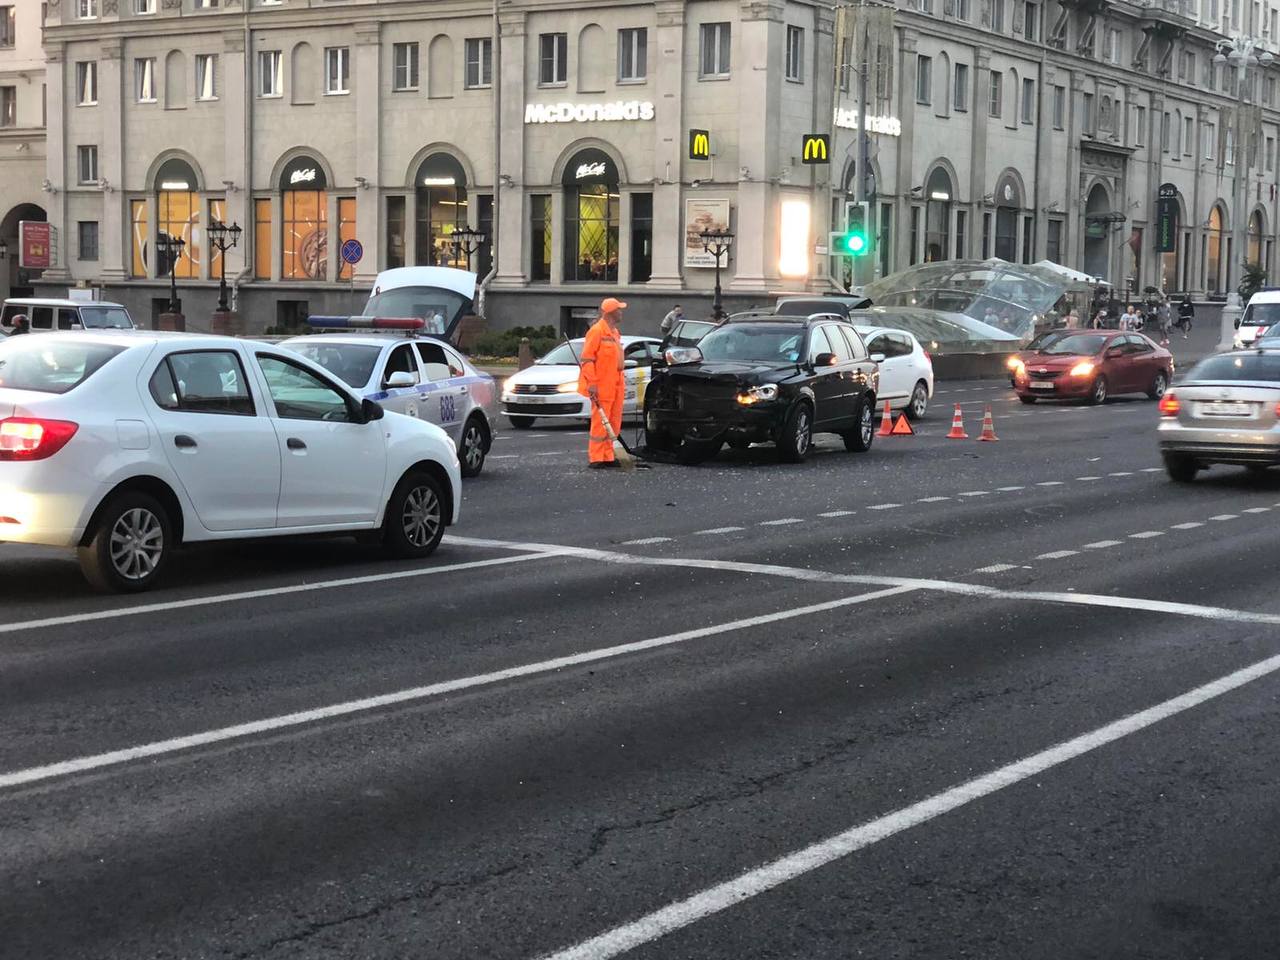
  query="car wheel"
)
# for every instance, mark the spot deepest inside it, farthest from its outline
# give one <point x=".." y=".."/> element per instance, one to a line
<point x="1159" y="386"/>
<point x="414" y="522"/>
<point x="1180" y="467"/>
<point x="521" y="423"/>
<point x="1257" y="468"/>
<point x="474" y="447"/>
<point x="129" y="544"/>
<point x="1026" y="399"/>
<point x="692" y="451"/>
<point x="1098" y="392"/>
<point x="739" y="444"/>
<point x="919" y="402"/>
<point x="797" y="434"/>
<point x="860" y="438"/>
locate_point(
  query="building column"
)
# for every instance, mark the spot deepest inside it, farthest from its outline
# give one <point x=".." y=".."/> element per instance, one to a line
<point x="512" y="267"/>
<point x="57" y="159"/>
<point x="669" y="145"/>
<point x="111" y="232"/>
<point x="906" y="144"/>
<point x="1075" y="189"/>
<point x="1196" y="213"/>
<point x="238" y="206"/>
<point x="978" y="151"/>
<point x="368" y="72"/>
<point x="821" y="77"/>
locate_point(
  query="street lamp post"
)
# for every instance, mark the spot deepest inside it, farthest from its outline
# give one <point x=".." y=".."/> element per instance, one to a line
<point x="1241" y="53"/>
<point x="224" y="238"/>
<point x="717" y="243"/>
<point x="466" y="242"/>
<point x="173" y="247"/>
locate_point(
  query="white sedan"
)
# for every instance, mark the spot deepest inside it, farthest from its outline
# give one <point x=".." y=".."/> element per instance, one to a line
<point x="906" y="369"/>
<point x="549" y="388"/>
<point x="126" y="445"/>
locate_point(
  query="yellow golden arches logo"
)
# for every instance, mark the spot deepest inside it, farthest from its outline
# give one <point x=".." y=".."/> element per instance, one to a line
<point x="815" y="148"/>
<point x="699" y="144"/>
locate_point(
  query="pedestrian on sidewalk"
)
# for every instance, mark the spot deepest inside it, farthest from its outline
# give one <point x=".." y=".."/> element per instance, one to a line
<point x="1186" y="315"/>
<point x="1164" y="317"/>
<point x="601" y="379"/>
<point x="672" y="318"/>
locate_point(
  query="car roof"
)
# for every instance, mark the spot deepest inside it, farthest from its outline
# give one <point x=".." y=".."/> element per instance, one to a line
<point x="762" y="317"/>
<point x="1266" y="296"/>
<point x="140" y="338"/>
<point x="870" y="331"/>
<point x="372" y="339"/>
<point x="55" y="302"/>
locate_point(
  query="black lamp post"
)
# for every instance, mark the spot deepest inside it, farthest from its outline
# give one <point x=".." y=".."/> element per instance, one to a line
<point x="224" y="238"/>
<point x="466" y="242"/>
<point x="173" y="247"/>
<point x="717" y="243"/>
<point x="4" y="249"/>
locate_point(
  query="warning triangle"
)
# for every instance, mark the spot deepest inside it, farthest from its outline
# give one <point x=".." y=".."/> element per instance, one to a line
<point x="903" y="427"/>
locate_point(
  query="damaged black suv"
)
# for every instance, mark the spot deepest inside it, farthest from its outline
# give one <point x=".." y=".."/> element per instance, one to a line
<point x="763" y="378"/>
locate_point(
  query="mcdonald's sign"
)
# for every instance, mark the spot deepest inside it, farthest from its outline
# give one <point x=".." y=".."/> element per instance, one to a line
<point x="816" y="148"/>
<point x="699" y="144"/>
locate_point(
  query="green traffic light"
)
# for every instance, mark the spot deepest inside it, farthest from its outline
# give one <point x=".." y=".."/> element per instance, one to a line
<point x="855" y="243"/>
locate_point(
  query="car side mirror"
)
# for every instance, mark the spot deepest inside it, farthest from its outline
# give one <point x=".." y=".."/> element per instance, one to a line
<point x="630" y="364"/>
<point x="825" y="360"/>
<point x="401" y="378"/>
<point x="878" y="357"/>
<point x="370" y="411"/>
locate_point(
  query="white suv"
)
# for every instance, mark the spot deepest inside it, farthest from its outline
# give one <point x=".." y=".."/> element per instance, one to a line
<point x="50" y="314"/>
<point x="1262" y="313"/>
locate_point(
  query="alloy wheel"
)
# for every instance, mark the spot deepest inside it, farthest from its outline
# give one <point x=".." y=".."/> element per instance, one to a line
<point x="422" y="515"/>
<point x="472" y="447"/>
<point x="1161" y="384"/>
<point x="919" y="402"/>
<point x="867" y="426"/>
<point x="803" y="434"/>
<point x="1099" y="391"/>
<point x="137" y="544"/>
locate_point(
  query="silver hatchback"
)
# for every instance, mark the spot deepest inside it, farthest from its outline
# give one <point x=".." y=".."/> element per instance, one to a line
<point x="1226" y="410"/>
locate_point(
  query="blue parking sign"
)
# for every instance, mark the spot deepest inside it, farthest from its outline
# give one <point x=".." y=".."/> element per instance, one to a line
<point x="352" y="251"/>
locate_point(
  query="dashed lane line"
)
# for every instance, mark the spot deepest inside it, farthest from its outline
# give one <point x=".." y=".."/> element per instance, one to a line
<point x="646" y="541"/>
<point x="785" y="521"/>
<point x="1058" y="554"/>
<point x="997" y="568"/>
<point x="974" y="493"/>
<point x="1121" y="473"/>
<point x="1146" y="535"/>
<point x="1190" y="525"/>
<point x="884" y="506"/>
<point x="1010" y="489"/>
<point x="1257" y="510"/>
<point x="1102" y="544"/>
<point x="1087" y="479"/>
<point x="831" y="514"/>
<point x="932" y="499"/>
<point x="1226" y="516"/>
<point x="715" y="531"/>
<point x="1049" y="483"/>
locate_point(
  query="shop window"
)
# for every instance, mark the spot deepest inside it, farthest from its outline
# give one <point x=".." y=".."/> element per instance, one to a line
<point x="138" y="237"/>
<point x="395" y="232"/>
<point x="591" y="226"/>
<point x="177" y="213"/>
<point x="540" y="237"/>
<point x="441" y="188"/>
<point x="484" y="223"/>
<point x="304" y="221"/>
<point x="641" y="237"/>
<point x="346" y="231"/>
<point x="262" y="239"/>
<point x="440" y="68"/>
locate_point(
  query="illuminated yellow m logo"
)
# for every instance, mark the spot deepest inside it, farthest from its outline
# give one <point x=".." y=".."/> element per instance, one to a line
<point x="699" y="145"/>
<point x="815" y="148"/>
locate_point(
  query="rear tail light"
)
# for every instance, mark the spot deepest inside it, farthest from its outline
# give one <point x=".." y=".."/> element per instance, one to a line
<point x="927" y="358"/>
<point x="1170" y="405"/>
<point x="1278" y="411"/>
<point x="25" y="438"/>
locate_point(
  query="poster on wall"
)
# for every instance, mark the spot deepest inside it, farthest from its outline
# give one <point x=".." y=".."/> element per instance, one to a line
<point x="702" y="215"/>
<point x="35" y="245"/>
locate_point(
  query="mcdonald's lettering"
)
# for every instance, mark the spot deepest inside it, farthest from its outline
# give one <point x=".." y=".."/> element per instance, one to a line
<point x="699" y="145"/>
<point x="815" y="148"/>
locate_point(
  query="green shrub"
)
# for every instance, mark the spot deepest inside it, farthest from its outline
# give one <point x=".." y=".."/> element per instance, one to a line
<point x="506" y="343"/>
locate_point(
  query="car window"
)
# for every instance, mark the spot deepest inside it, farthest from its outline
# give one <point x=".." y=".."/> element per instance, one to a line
<point x="10" y="311"/>
<point x="41" y="318"/>
<point x="901" y="345"/>
<point x="1253" y="366"/>
<point x="434" y="359"/>
<point x="1140" y="344"/>
<point x="402" y="360"/>
<point x="105" y="318"/>
<point x="456" y="366"/>
<point x="1080" y="344"/>
<point x="203" y="381"/>
<point x="299" y="394"/>
<point x="68" y="319"/>
<point x="1261" y="314"/>
<point x="856" y="346"/>
<point x="639" y="352"/>
<point x="351" y="362"/>
<point x="839" y="345"/>
<point x="50" y="364"/>
<point x="818" y="343"/>
<point x="769" y="343"/>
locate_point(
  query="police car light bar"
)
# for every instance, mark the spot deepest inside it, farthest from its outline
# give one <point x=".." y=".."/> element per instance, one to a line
<point x="367" y="323"/>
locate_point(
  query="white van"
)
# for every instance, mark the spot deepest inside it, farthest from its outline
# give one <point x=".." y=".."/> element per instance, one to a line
<point x="52" y="314"/>
<point x="1262" y="313"/>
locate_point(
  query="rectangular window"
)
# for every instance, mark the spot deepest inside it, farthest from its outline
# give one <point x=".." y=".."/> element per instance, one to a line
<point x="404" y="59"/>
<point x="479" y="63"/>
<point x="961" y="93"/>
<point x="1187" y="72"/>
<point x="997" y="15"/>
<point x="1053" y="249"/>
<point x="8" y="26"/>
<point x="144" y="6"/>
<point x="304" y="215"/>
<point x="206" y="76"/>
<point x="962" y="221"/>
<point x="1271" y="154"/>
<point x="139" y="236"/>
<point x="144" y="80"/>
<point x="206" y="4"/>
<point x="795" y="54"/>
<point x="395" y="232"/>
<point x="1031" y="21"/>
<point x="924" y="80"/>
<point x="1210" y="140"/>
<point x="540" y="237"/>
<point x="346" y="231"/>
<point x="553" y="62"/>
<point x="337" y="70"/>
<point x="995" y="96"/>
<point x="1188" y="136"/>
<point x="87" y="164"/>
<point x="1059" y="107"/>
<point x="8" y="106"/>
<point x="1229" y="151"/>
<point x="262" y="239"/>
<point x="1111" y="45"/>
<point x="713" y="57"/>
<point x="986" y="235"/>
<point x="914" y="253"/>
<point x="270" y="73"/>
<point x="1139" y="126"/>
<point x="633" y="55"/>
<point x="1164" y="132"/>
<point x="1028" y="100"/>
<point x="87" y="240"/>
<point x="884" y="239"/>
<point x="87" y="83"/>
<point x="962" y="10"/>
<point x="1028" y="237"/>
<point x="641" y="237"/>
<point x="1086" y="115"/>
<point x="86" y="9"/>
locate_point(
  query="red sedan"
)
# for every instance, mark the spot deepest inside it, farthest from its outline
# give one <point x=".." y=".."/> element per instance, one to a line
<point x="1093" y="365"/>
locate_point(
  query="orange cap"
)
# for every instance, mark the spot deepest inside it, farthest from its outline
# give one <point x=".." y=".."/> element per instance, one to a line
<point x="609" y="304"/>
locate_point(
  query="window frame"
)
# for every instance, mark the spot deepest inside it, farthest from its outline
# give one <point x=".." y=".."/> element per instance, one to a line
<point x="211" y="62"/>
<point x="276" y="59"/>
<point x="411" y="66"/>
<point x="1027" y="109"/>
<point x="557" y="45"/>
<point x="995" y="95"/>
<point x="483" y="61"/>
<point x="86" y="9"/>
<point x="81" y="233"/>
<point x="721" y="31"/>
<point x="960" y="88"/>
<point x="140" y="70"/>
<point x="793" y="68"/>
<point x="173" y="377"/>
<point x="351" y="403"/>
<point x="1059" y="107"/>
<point x="9" y="18"/>
<point x="86" y="76"/>
<point x="86" y="151"/>
<point x="8" y="107"/>
<point x="342" y="57"/>
<point x="144" y="8"/>
<point x="633" y="44"/>
<point x="924" y="80"/>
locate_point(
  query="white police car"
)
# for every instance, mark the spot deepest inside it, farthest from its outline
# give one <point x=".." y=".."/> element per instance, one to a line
<point x="406" y="371"/>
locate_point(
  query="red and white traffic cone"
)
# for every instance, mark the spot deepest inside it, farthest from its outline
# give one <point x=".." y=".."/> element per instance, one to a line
<point x="988" y="427"/>
<point x="886" y="422"/>
<point x="957" y="426"/>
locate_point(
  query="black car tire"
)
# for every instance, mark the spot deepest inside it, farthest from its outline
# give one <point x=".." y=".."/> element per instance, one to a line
<point x="474" y="448"/>
<point x="141" y="532"/>
<point x="521" y="423"/>
<point x="918" y="405"/>
<point x="1026" y="399"/>
<point x="796" y="436"/>
<point x="860" y="438"/>
<point x="415" y="518"/>
<point x="739" y="444"/>
<point x="1159" y="385"/>
<point x="1180" y="467"/>
<point x="1098" y="391"/>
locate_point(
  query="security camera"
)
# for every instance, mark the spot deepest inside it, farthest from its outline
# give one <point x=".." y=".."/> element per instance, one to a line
<point x="695" y="184"/>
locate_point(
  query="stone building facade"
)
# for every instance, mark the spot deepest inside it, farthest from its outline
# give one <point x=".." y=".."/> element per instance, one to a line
<point x="22" y="134"/>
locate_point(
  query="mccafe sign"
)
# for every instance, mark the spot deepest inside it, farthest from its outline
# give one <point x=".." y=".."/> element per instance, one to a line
<point x="588" y="112"/>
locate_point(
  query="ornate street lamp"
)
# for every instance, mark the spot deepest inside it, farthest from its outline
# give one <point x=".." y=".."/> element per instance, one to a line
<point x="1240" y="52"/>
<point x="466" y="242"/>
<point x="717" y="243"/>
<point x="172" y="247"/>
<point x="224" y="238"/>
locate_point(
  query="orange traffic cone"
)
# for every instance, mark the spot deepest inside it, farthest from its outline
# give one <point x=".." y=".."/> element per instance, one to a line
<point x="957" y="426"/>
<point x="988" y="426"/>
<point x="886" y="422"/>
<point x="903" y="427"/>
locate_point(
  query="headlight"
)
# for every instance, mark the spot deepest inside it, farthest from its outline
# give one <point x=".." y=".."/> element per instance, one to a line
<point x="757" y="394"/>
<point x="677" y="355"/>
<point x="508" y="384"/>
<point x="1014" y="362"/>
<point x="570" y="387"/>
<point x="1082" y="369"/>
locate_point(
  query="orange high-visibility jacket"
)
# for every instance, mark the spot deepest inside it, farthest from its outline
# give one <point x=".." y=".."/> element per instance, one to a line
<point x="602" y="361"/>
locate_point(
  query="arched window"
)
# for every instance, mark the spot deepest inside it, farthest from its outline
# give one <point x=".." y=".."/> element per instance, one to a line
<point x="593" y="59"/>
<point x="302" y="74"/>
<point x="177" y="216"/>
<point x="590" y="217"/>
<point x="937" y="216"/>
<point x="1255" y="239"/>
<point x="175" y="79"/>
<point x="1008" y="199"/>
<point x="1097" y="231"/>
<point x="440" y="67"/>
<point x="441" y="188"/>
<point x="304" y="221"/>
<point x="1214" y="260"/>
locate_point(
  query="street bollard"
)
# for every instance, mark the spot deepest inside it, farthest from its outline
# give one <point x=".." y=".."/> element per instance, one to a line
<point x="525" y="356"/>
<point x="171" y="321"/>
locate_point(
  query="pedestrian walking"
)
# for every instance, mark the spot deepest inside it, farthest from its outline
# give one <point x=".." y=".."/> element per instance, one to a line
<point x="1164" y="317"/>
<point x="1073" y="320"/>
<point x="1128" y="319"/>
<point x="1186" y="315"/>
<point x="674" y="316"/>
<point x="601" y="379"/>
<point x="1100" y="319"/>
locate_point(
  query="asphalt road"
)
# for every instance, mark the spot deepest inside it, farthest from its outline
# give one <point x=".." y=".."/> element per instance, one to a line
<point x="945" y="699"/>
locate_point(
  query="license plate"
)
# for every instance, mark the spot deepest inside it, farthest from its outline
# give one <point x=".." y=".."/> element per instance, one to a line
<point x="1218" y="408"/>
<point x="534" y="398"/>
<point x="1041" y="384"/>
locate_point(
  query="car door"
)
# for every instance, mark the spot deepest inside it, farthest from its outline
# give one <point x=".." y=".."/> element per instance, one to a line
<point x="332" y="466"/>
<point x="894" y="369"/>
<point x="637" y="366"/>
<point x="864" y="372"/>
<point x="1127" y="367"/>
<point x="444" y="390"/>
<point x="1144" y="362"/>
<point x="217" y="437"/>
<point x="400" y="359"/>
<point x="828" y="381"/>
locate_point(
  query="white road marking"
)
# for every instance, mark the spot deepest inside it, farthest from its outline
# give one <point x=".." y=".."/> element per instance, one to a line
<point x="713" y="531"/>
<point x="1187" y="526"/>
<point x="932" y="499"/>
<point x="884" y="506"/>
<point x="722" y="896"/>
<point x="1121" y="473"/>
<point x="646" y="541"/>
<point x="1088" y="478"/>
<point x="997" y="568"/>
<point x="974" y="493"/>
<point x="191" y="602"/>
<point x="415" y="694"/>
<point x="837" y="513"/>
<point x="1258" y="510"/>
<point x="1146" y="535"/>
<point x="1049" y="483"/>
<point x="779" y="523"/>
<point x="551" y="453"/>
<point x="1226" y="516"/>
<point x="1152" y="470"/>
<point x="1009" y="489"/>
<point x="504" y="456"/>
<point x="1058" y="554"/>
<point x="1102" y="544"/>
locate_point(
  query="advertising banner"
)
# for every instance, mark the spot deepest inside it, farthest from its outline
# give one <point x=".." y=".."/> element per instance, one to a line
<point x="702" y="215"/>
<point x="35" y="245"/>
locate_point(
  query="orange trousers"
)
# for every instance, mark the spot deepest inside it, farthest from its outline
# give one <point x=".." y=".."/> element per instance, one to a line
<point x="600" y="448"/>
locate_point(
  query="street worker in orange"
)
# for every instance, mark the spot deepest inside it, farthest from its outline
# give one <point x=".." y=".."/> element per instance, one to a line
<point x="601" y="379"/>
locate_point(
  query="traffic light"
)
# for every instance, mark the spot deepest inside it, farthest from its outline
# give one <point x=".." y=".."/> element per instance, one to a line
<point x="856" y="239"/>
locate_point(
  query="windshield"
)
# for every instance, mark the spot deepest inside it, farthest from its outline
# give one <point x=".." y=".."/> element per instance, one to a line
<point x="768" y="343"/>
<point x="1084" y="344"/>
<point x="1261" y="315"/>
<point x="803" y="308"/>
<point x="105" y="318"/>
<point x="49" y="364"/>
<point x="1042" y="341"/>
<point x="350" y="362"/>
<point x="1251" y="366"/>
<point x="563" y="355"/>
<point x="439" y="308"/>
